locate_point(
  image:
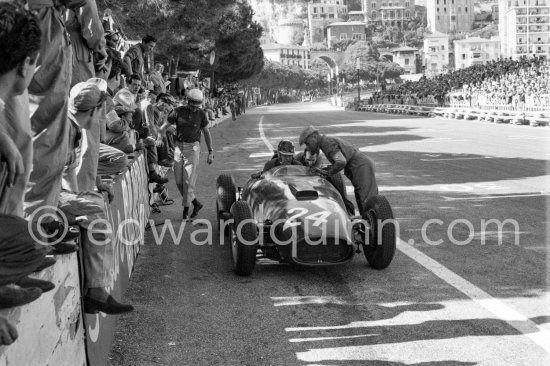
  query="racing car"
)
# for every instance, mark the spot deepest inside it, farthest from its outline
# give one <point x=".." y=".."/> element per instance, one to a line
<point x="292" y="215"/>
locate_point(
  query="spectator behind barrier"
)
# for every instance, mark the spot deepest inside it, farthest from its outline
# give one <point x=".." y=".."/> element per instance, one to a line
<point x="19" y="45"/>
<point x="98" y="252"/>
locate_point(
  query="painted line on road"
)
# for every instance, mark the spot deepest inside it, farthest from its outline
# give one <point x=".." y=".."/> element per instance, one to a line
<point x="451" y="159"/>
<point x="300" y="340"/>
<point x="518" y="321"/>
<point x="495" y="197"/>
<point x="260" y="155"/>
<point x="262" y="135"/>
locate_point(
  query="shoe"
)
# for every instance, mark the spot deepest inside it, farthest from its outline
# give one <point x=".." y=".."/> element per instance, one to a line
<point x="46" y="262"/>
<point x="155" y="178"/>
<point x="159" y="188"/>
<point x="13" y="295"/>
<point x="196" y="208"/>
<point x="28" y="282"/>
<point x="168" y="163"/>
<point x="110" y="306"/>
<point x="55" y="230"/>
<point x="62" y="249"/>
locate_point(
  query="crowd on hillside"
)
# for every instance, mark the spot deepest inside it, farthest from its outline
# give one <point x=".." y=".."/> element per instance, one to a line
<point x="498" y="82"/>
<point x="77" y="108"/>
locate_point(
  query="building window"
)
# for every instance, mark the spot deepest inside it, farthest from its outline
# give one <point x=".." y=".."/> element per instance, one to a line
<point x="442" y="48"/>
<point x="322" y="10"/>
<point x="331" y="15"/>
<point x="437" y="2"/>
<point x="438" y="17"/>
<point x="445" y="10"/>
<point x="390" y="4"/>
<point x="444" y="2"/>
<point x="407" y="4"/>
<point x="465" y="9"/>
<point x="453" y="18"/>
<point x="343" y="36"/>
<point x="459" y="9"/>
<point x="373" y="5"/>
<point x="407" y="14"/>
<point x="373" y="15"/>
<point x="406" y="61"/>
<point x="464" y="56"/>
<point x="356" y="36"/>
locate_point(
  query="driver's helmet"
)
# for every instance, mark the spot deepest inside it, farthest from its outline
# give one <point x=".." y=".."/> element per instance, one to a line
<point x="285" y="151"/>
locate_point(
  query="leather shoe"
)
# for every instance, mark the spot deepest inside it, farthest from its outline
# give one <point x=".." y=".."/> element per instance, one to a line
<point x="55" y="230"/>
<point x="13" y="295"/>
<point x="46" y="262"/>
<point x="110" y="306"/>
<point x="155" y="178"/>
<point x="28" y="282"/>
<point x="196" y="208"/>
<point x="168" y="163"/>
<point x="63" y="248"/>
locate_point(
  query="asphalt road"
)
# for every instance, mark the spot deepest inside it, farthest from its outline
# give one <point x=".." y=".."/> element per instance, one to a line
<point x="453" y="295"/>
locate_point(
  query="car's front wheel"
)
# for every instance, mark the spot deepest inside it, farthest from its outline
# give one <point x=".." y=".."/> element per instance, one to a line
<point x="244" y="239"/>
<point x="379" y="246"/>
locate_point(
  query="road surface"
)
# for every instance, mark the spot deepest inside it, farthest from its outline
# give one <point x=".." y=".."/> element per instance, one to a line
<point x="453" y="295"/>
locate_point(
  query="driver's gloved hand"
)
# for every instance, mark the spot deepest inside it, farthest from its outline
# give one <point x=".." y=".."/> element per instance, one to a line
<point x="256" y="175"/>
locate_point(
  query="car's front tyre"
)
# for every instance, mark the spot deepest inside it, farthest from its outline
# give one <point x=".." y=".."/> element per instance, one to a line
<point x="244" y="239"/>
<point x="380" y="243"/>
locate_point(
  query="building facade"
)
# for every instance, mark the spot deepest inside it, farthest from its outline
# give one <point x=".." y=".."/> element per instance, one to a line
<point x="407" y="57"/>
<point x="524" y="28"/>
<point x="342" y="31"/>
<point x="449" y="16"/>
<point x="476" y="51"/>
<point x="395" y="13"/>
<point x="290" y="55"/>
<point x="436" y="53"/>
<point x="320" y="14"/>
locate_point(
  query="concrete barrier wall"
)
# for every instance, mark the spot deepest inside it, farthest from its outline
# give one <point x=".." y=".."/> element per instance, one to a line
<point x="53" y="330"/>
<point x="128" y="214"/>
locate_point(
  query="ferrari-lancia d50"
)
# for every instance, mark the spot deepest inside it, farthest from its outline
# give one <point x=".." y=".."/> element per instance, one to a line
<point x="292" y="215"/>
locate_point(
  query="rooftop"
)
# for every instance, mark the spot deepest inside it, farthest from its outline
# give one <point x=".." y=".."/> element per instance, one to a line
<point x="276" y="46"/>
<point x="404" y="49"/>
<point x="347" y="23"/>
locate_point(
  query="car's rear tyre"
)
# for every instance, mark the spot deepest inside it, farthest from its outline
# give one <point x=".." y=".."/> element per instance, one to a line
<point x="243" y="252"/>
<point x="226" y="196"/>
<point x="379" y="215"/>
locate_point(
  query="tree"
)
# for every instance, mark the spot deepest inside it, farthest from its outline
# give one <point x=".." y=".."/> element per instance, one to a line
<point x="190" y="29"/>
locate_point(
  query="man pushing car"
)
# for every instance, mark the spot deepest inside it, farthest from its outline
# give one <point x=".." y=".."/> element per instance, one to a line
<point x="357" y="166"/>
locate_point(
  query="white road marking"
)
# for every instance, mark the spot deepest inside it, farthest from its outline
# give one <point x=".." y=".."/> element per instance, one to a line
<point x="262" y="134"/>
<point x="446" y="159"/>
<point x="299" y="340"/>
<point x="494" y="197"/>
<point x="520" y="322"/>
<point x="260" y="155"/>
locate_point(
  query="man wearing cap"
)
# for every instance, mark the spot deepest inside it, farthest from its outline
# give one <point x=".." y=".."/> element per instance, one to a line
<point x="191" y="122"/>
<point x="97" y="244"/>
<point x="357" y="166"/>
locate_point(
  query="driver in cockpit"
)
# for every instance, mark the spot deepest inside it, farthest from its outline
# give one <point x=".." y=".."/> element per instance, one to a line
<point x="284" y="156"/>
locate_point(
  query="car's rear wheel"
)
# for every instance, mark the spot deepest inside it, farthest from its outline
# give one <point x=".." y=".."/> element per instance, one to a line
<point x="379" y="246"/>
<point x="226" y="196"/>
<point x="244" y="239"/>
